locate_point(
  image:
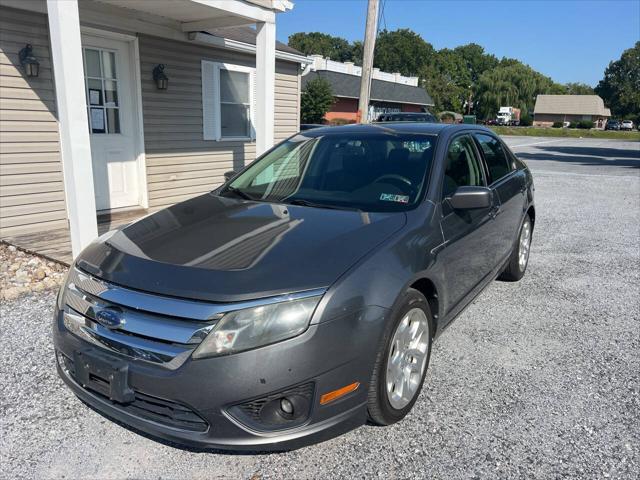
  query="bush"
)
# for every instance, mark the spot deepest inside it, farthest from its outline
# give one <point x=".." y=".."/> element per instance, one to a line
<point x="585" y="124"/>
<point x="573" y="125"/>
<point x="557" y="125"/>
<point x="341" y="121"/>
<point x="316" y="100"/>
<point x="526" y="120"/>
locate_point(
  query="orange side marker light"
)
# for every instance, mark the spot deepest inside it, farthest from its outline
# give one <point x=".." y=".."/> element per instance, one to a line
<point x="336" y="394"/>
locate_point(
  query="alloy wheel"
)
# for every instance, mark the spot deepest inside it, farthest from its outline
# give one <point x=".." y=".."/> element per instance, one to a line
<point x="407" y="359"/>
<point x="525" y="245"/>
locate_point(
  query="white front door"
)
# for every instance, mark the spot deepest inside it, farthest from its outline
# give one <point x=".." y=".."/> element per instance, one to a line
<point x="112" y="112"/>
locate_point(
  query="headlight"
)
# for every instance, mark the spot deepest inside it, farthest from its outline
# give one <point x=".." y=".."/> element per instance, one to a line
<point x="258" y="326"/>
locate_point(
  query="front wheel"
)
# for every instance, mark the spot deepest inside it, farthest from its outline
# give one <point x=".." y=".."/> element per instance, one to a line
<point x="520" y="256"/>
<point x="401" y="362"/>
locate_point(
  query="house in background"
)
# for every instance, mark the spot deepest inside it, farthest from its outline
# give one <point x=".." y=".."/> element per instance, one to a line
<point x="133" y="105"/>
<point x="390" y="92"/>
<point x="550" y="109"/>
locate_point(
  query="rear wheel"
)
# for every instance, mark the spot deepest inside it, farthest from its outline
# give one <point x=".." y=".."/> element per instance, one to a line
<point x="401" y="363"/>
<point x="520" y="256"/>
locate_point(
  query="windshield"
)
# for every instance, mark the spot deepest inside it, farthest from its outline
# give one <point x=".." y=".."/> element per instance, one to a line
<point x="370" y="172"/>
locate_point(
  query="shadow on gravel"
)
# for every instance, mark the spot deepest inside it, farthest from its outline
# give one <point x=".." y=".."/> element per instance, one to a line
<point x="617" y="157"/>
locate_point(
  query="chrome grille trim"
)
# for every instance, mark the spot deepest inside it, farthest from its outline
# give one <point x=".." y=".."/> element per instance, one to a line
<point x="154" y="328"/>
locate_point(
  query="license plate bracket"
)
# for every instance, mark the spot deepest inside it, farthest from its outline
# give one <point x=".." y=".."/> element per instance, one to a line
<point x="104" y="374"/>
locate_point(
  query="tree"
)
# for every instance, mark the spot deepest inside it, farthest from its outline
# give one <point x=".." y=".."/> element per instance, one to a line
<point x="403" y="51"/>
<point x="476" y="60"/>
<point x="576" y="88"/>
<point x="620" y="87"/>
<point x="316" y="100"/>
<point x="317" y="43"/>
<point x="515" y="85"/>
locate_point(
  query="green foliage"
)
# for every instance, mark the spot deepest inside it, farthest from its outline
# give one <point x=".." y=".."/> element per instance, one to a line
<point x="403" y="51"/>
<point x="576" y="88"/>
<point x="511" y="84"/>
<point x="557" y="125"/>
<point x="341" y="121"/>
<point x="585" y="124"/>
<point x="573" y="124"/>
<point x="526" y="120"/>
<point x="316" y="100"/>
<point x="620" y="87"/>
<point x="567" y="132"/>
<point x="476" y="60"/>
<point x="318" y="43"/>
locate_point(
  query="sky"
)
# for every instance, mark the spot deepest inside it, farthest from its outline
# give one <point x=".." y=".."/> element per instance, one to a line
<point x="568" y="40"/>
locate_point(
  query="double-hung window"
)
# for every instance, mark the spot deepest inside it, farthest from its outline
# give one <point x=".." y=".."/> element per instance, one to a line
<point x="227" y="101"/>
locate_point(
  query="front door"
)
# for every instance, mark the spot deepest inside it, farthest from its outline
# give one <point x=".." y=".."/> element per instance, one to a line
<point x="111" y="112"/>
<point x="468" y="231"/>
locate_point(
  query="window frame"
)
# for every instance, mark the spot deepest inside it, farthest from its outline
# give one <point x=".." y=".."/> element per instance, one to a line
<point x="479" y="158"/>
<point x="212" y="104"/>
<point x="510" y="163"/>
<point x="103" y="81"/>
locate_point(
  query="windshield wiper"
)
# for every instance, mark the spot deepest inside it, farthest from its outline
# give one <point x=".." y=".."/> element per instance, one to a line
<point x="239" y="192"/>
<point x="306" y="203"/>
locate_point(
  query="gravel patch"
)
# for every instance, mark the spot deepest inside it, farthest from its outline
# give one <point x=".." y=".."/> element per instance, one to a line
<point x="536" y="379"/>
<point x="22" y="272"/>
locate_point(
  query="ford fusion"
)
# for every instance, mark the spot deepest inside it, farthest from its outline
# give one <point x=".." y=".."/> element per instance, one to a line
<point x="300" y="299"/>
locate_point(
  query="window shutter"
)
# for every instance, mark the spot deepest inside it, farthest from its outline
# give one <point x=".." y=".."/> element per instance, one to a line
<point x="210" y="103"/>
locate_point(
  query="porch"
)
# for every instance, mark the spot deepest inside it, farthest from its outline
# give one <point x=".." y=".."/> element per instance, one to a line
<point x="59" y="158"/>
<point x="56" y="244"/>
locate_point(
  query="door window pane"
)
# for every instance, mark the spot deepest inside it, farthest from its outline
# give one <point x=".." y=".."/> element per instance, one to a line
<point x="234" y="87"/>
<point x="463" y="167"/>
<point x="102" y="91"/>
<point x="109" y="64"/>
<point x="234" y="120"/>
<point x="113" y="120"/>
<point x="110" y="93"/>
<point x="495" y="156"/>
<point x="92" y="61"/>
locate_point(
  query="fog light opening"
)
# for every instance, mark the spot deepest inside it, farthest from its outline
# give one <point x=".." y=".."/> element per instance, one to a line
<point x="286" y="406"/>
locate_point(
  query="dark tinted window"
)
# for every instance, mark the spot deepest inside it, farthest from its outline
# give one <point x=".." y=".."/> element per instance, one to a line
<point x="463" y="167"/>
<point x="497" y="161"/>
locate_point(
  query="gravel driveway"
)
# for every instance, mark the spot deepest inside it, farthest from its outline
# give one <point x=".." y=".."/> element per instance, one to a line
<point x="537" y="379"/>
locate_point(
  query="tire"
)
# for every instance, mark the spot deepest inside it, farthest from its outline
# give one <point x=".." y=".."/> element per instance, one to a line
<point x="411" y="323"/>
<point x="519" y="259"/>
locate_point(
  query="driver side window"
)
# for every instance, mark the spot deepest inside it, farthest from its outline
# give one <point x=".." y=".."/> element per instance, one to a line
<point x="463" y="167"/>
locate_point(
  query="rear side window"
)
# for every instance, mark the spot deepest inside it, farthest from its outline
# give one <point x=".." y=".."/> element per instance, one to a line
<point x="498" y="163"/>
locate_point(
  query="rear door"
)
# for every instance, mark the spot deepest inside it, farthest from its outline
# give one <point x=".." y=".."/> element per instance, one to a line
<point x="509" y="188"/>
<point x="470" y="249"/>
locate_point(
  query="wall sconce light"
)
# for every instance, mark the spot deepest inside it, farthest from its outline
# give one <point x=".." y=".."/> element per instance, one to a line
<point x="29" y="62"/>
<point x="162" y="81"/>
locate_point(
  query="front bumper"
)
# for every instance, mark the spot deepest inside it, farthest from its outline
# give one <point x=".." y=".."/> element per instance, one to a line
<point x="326" y="357"/>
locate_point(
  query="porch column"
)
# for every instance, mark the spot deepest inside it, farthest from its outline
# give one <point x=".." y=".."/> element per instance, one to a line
<point x="75" y="146"/>
<point x="265" y="85"/>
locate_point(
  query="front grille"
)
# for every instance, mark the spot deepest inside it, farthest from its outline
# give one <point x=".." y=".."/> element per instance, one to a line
<point x="147" y="407"/>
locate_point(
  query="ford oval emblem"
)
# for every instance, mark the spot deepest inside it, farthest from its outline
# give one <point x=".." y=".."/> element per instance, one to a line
<point x="110" y="317"/>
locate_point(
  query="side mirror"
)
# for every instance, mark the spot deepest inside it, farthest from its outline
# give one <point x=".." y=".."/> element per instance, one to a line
<point x="229" y="175"/>
<point x="467" y="198"/>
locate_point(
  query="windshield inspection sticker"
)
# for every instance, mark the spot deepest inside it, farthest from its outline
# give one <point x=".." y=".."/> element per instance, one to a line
<point x="390" y="197"/>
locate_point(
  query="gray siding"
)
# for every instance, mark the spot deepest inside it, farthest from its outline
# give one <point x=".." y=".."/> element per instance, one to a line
<point x="180" y="164"/>
<point x="31" y="188"/>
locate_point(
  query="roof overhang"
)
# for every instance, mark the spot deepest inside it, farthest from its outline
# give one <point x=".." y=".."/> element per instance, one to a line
<point x="214" y="40"/>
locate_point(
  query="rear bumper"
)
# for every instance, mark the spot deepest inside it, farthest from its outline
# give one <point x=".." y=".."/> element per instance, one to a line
<point x="327" y="356"/>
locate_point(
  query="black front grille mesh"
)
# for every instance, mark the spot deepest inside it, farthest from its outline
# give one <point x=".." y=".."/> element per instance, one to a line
<point x="165" y="412"/>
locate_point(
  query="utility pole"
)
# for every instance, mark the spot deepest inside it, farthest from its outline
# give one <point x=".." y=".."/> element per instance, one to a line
<point x="370" y="34"/>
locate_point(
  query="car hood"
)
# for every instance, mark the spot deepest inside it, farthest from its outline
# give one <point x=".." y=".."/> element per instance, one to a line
<point x="224" y="250"/>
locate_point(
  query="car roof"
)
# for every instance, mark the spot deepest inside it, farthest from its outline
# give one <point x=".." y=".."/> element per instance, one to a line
<point x="394" y="127"/>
